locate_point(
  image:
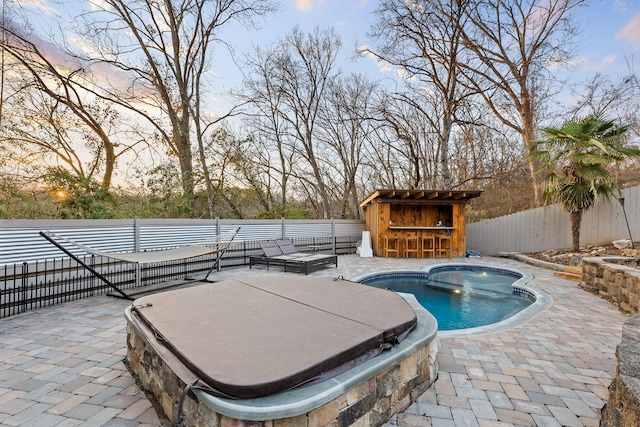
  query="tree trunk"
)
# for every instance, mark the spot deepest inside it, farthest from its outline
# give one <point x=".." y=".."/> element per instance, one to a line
<point x="576" y="219"/>
<point x="202" y="156"/>
<point x="528" y="136"/>
<point x="445" y="134"/>
<point x="185" y="159"/>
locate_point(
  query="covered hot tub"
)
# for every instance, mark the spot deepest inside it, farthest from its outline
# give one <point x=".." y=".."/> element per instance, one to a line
<point x="280" y="347"/>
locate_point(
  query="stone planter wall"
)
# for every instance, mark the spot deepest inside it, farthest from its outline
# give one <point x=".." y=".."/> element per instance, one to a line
<point x="621" y="286"/>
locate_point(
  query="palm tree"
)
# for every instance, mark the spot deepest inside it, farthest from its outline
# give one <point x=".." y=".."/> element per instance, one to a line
<point x="575" y="158"/>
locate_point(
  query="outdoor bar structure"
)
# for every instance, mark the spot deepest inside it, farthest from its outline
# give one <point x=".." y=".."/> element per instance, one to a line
<point x="417" y="223"/>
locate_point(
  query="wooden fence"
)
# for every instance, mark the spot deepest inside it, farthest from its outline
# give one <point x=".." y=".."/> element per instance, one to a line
<point x="549" y="227"/>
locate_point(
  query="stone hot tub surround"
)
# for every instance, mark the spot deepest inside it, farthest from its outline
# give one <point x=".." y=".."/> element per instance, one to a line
<point x="371" y="392"/>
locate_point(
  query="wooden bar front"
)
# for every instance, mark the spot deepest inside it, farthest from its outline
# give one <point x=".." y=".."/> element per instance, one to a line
<point x="407" y="213"/>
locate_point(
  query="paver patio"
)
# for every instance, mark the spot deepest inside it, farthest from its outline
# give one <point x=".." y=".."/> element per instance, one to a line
<point x="63" y="365"/>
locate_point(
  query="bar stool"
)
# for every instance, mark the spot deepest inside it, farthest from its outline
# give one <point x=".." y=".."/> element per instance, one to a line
<point x="411" y="246"/>
<point x="391" y="246"/>
<point x="428" y="246"/>
<point x="444" y="246"/>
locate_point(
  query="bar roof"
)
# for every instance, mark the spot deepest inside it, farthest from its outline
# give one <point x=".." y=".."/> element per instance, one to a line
<point x="453" y="196"/>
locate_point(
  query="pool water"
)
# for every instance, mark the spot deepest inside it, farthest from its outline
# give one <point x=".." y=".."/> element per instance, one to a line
<point x="459" y="299"/>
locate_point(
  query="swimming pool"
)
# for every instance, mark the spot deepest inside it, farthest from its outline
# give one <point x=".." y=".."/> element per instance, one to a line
<point x="467" y="297"/>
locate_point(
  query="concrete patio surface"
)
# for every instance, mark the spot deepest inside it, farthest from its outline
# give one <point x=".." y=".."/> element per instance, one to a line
<point x="64" y="365"/>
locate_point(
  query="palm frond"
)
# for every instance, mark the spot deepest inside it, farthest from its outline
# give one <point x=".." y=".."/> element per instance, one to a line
<point x="628" y="152"/>
<point x="598" y="144"/>
<point x="577" y="156"/>
<point x="594" y="172"/>
<point x="577" y="195"/>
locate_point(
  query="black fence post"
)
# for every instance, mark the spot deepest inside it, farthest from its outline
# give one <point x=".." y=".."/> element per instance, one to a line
<point x="24" y="282"/>
<point x="244" y="253"/>
<point x="334" y="237"/>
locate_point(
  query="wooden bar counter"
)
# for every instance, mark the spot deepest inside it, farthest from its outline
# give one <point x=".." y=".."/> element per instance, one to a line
<point x="416" y="213"/>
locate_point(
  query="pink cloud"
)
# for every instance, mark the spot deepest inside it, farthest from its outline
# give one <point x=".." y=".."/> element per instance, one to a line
<point x="304" y="5"/>
<point x="631" y="31"/>
<point x="307" y="5"/>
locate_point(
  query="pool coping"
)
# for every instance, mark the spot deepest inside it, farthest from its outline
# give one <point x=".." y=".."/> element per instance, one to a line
<point x="542" y="299"/>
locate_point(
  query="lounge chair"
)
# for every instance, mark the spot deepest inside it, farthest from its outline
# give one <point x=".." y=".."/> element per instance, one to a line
<point x="147" y="257"/>
<point x="282" y="253"/>
<point x="288" y="248"/>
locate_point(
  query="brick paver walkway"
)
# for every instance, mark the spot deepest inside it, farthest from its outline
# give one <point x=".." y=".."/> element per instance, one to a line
<point x="63" y="366"/>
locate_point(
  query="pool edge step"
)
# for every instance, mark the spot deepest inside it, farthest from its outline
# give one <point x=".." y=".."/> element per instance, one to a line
<point x="576" y="277"/>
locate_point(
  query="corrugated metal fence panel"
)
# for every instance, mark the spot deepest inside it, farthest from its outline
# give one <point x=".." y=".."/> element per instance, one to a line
<point x="20" y="241"/>
<point x="304" y="228"/>
<point x="23" y="243"/>
<point x="255" y="230"/>
<point x="153" y="237"/>
<point x="549" y="227"/>
<point x="18" y="245"/>
<point x="353" y="228"/>
<point x="324" y="228"/>
<point x="108" y="239"/>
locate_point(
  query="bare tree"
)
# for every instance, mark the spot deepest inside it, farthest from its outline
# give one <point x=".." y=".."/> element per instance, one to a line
<point x="347" y="122"/>
<point x="514" y="43"/>
<point x="617" y="99"/>
<point x="50" y="107"/>
<point x="306" y="72"/>
<point x="474" y="155"/>
<point x="42" y="132"/>
<point x="150" y="58"/>
<point x="483" y="153"/>
<point x="409" y="133"/>
<point x="424" y="39"/>
<point x="290" y="83"/>
<point x="164" y="49"/>
<point x="605" y="96"/>
<point x="273" y="145"/>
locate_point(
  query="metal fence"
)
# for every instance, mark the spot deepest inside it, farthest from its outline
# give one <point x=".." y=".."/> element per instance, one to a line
<point x="34" y="274"/>
<point x="549" y="227"/>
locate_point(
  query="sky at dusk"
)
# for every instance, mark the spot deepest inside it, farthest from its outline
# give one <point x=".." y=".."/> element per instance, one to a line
<point x="611" y="28"/>
<point x="610" y="36"/>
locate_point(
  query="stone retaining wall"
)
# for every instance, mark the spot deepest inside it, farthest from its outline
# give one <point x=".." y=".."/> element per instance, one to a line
<point x="621" y="286"/>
